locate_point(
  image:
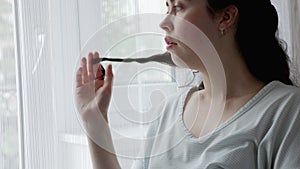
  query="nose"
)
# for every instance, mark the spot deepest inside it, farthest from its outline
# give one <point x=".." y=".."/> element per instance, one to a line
<point x="167" y="24"/>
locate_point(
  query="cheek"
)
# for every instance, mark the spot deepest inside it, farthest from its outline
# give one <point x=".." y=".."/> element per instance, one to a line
<point x="186" y="27"/>
<point x="202" y="21"/>
<point x="195" y="32"/>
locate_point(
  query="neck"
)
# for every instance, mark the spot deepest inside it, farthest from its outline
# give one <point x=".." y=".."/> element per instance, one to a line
<point x="239" y="81"/>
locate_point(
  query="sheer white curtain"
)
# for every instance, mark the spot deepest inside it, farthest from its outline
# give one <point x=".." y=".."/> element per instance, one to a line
<point x="295" y="34"/>
<point x="49" y="38"/>
<point x="289" y="31"/>
<point x="8" y="92"/>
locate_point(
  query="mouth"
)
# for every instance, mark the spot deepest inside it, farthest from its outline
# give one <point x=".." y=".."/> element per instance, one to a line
<point x="170" y="43"/>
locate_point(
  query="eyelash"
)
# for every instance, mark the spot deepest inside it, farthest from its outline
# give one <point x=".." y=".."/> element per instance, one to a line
<point x="176" y="6"/>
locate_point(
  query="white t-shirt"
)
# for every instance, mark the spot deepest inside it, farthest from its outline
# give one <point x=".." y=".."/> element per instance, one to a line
<point x="263" y="134"/>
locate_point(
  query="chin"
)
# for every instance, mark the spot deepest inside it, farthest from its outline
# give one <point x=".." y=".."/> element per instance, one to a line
<point x="178" y="61"/>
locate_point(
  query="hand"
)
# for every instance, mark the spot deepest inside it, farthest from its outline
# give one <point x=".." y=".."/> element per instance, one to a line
<point x="93" y="92"/>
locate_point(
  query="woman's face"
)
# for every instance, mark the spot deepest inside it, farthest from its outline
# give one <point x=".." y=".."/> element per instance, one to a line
<point x="196" y="13"/>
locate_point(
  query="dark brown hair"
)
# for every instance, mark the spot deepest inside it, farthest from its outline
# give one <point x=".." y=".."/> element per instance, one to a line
<point x="257" y="38"/>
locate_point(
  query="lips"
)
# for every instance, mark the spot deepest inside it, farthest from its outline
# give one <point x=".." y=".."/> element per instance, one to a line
<point x="170" y="43"/>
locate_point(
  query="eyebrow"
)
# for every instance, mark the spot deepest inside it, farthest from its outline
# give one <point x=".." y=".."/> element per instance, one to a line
<point x="167" y="4"/>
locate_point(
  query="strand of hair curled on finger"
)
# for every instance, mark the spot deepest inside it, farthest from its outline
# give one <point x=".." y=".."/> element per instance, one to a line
<point x="109" y="78"/>
<point x="100" y="74"/>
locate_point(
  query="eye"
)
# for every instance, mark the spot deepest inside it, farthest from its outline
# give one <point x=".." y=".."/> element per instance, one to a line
<point x="178" y="7"/>
<point x="174" y="9"/>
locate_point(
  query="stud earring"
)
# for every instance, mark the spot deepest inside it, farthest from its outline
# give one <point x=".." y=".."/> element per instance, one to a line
<point x="222" y="31"/>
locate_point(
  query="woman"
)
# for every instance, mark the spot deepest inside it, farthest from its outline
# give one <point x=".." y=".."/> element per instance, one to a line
<point x="259" y="126"/>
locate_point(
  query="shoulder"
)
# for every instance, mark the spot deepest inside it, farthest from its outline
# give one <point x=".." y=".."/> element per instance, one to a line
<point x="285" y="125"/>
<point x="283" y="98"/>
<point x="288" y="97"/>
<point x="283" y="94"/>
<point x="282" y="104"/>
<point x="276" y="107"/>
<point x="286" y="89"/>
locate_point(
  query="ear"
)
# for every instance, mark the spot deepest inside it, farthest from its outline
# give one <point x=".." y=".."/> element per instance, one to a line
<point x="228" y="17"/>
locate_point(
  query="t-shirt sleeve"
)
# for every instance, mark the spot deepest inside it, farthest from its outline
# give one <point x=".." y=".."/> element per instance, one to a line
<point x="288" y="155"/>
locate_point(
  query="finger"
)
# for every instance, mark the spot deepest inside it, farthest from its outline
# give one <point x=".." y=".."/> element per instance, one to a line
<point x="90" y="67"/>
<point x="79" y="77"/>
<point x="109" y="78"/>
<point x="84" y="71"/>
<point x="96" y="65"/>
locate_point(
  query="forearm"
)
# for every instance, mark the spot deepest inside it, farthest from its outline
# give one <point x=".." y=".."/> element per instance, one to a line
<point x="100" y="144"/>
<point x="101" y="158"/>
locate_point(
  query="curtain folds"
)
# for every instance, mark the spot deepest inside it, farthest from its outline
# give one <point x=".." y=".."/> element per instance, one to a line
<point x="50" y="36"/>
<point x="295" y="40"/>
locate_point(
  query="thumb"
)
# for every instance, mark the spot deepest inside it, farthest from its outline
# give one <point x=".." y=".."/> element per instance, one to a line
<point x="109" y="78"/>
